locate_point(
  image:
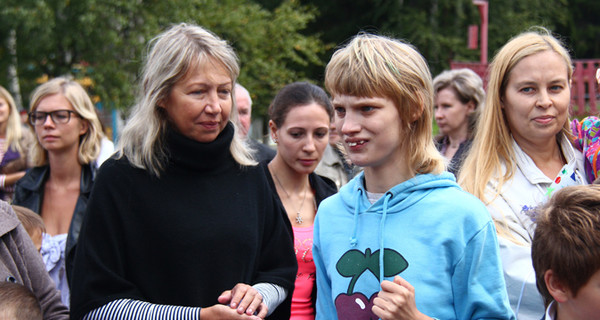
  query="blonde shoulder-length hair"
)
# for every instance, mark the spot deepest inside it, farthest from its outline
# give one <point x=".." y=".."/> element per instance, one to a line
<point x="378" y="66"/>
<point x="171" y="55"/>
<point x="492" y="145"/>
<point x="14" y="131"/>
<point x="90" y="141"/>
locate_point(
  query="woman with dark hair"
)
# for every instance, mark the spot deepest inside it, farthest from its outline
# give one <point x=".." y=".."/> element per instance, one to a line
<point x="300" y="115"/>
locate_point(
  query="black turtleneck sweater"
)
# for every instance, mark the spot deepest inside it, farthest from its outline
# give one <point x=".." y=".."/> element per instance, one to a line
<point x="182" y="239"/>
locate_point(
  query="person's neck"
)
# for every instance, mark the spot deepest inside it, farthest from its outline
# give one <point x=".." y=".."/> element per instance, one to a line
<point x="64" y="168"/>
<point x="541" y="152"/>
<point x="457" y="137"/>
<point x="292" y="181"/>
<point x="546" y="155"/>
<point x="564" y="311"/>
<point x="382" y="177"/>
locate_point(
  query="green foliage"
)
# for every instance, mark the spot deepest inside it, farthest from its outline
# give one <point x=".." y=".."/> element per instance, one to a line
<point x="102" y="42"/>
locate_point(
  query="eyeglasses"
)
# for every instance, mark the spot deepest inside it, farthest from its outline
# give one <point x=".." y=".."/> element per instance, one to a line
<point x="38" y="118"/>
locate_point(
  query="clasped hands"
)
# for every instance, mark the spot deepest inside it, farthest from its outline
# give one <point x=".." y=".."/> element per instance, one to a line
<point x="242" y="302"/>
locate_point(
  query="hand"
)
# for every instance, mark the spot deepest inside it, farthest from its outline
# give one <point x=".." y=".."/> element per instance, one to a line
<point x="219" y="311"/>
<point x="245" y="299"/>
<point x="396" y="300"/>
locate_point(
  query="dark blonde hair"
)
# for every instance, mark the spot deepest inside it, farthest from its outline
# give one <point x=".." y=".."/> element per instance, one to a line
<point x="89" y="142"/>
<point x="378" y="66"/>
<point x="18" y="302"/>
<point x="567" y="238"/>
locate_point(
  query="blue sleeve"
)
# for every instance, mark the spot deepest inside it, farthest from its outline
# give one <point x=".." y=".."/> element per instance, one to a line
<point x="478" y="282"/>
<point x="325" y="305"/>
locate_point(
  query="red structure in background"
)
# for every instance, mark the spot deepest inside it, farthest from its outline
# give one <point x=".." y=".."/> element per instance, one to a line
<point x="585" y="94"/>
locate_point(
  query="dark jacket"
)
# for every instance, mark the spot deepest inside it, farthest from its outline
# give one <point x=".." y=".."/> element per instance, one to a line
<point x="455" y="163"/>
<point x="29" y="193"/>
<point x="20" y="262"/>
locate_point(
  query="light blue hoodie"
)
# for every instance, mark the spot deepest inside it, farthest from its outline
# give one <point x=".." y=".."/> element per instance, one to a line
<point x="433" y="234"/>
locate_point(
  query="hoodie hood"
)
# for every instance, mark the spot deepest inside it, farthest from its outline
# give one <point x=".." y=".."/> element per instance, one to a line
<point x="400" y="197"/>
<point x="395" y="200"/>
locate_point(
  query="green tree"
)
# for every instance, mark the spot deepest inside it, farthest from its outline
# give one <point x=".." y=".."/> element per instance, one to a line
<point x="103" y="41"/>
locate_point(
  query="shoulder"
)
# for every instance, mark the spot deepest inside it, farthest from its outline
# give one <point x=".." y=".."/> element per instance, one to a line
<point x="8" y="218"/>
<point x="34" y="178"/>
<point x="459" y="206"/>
<point x="261" y="151"/>
<point x="325" y="184"/>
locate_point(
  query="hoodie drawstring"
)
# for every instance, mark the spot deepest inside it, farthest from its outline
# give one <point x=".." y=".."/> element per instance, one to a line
<point x="388" y="195"/>
<point x="353" y="239"/>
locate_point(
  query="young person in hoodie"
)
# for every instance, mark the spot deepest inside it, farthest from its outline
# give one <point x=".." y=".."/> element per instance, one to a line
<point x="401" y="240"/>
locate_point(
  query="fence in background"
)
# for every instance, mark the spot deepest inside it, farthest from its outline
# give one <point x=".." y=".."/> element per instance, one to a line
<point x="585" y="94"/>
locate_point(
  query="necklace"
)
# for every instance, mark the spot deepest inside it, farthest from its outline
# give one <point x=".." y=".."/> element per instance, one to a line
<point x="298" y="216"/>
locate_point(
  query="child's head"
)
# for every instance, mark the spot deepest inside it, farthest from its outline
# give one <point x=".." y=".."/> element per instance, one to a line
<point x="18" y="303"/>
<point x="33" y="224"/>
<point x="372" y="66"/>
<point x="566" y="247"/>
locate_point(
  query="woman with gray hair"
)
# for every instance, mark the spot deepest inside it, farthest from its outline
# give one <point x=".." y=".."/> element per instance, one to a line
<point x="459" y="98"/>
<point x="182" y="223"/>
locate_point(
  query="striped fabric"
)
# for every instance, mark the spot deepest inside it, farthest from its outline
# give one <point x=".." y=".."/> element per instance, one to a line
<point x="127" y="309"/>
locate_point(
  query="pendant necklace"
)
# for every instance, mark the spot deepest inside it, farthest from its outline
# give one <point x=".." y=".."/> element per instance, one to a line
<point x="298" y="216"/>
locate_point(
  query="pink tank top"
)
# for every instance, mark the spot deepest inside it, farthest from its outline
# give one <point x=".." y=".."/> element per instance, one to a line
<point x="302" y="304"/>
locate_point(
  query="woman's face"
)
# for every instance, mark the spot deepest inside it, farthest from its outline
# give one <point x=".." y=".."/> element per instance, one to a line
<point x="451" y="115"/>
<point x="199" y="104"/>
<point x="302" y="137"/>
<point x="59" y="137"/>
<point x="536" y="99"/>
<point x="370" y="130"/>
<point x="4" y="111"/>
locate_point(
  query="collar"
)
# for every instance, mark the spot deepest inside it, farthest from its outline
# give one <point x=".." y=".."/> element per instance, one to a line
<point x="551" y="311"/>
<point x="37" y="177"/>
<point x="198" y="156"/>
<point x="330" y="157"/>
<point x="531" y="172"/>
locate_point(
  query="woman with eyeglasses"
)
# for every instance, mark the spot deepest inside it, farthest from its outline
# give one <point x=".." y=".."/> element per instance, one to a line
<point x="68" y="141"/>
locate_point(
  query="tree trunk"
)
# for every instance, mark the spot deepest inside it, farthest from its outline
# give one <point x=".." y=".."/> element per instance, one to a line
<point x="13" y="77"/>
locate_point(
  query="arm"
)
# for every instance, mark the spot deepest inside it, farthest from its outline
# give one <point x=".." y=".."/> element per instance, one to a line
<point x="478" y="284"/>
<point x="8" y="180"/>
<point x="325" y="308"/>
<point x="36" y="277"/>
<point x="127" y="309"/>
<point x="277" y="263"/>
